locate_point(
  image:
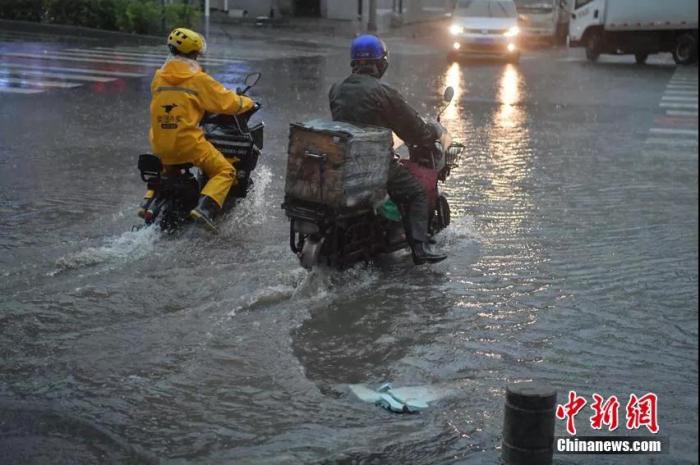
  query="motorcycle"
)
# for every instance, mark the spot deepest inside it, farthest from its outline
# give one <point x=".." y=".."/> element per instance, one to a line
<point x="173" y="190"/>
<point x="339" y="239"/>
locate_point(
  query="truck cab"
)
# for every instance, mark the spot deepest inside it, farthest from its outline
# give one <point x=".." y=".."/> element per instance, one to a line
<point x="636" y="27"/>
<point x="586" y="14"/>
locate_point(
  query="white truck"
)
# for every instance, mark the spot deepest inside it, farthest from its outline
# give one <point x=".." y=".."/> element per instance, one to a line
<point x="636" y="27"/>
<point x="546" y="20"/>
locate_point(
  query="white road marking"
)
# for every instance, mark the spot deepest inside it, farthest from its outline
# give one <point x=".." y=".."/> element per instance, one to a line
<point x="680" y="98"/>
<point x="682" y="92"/>
<point x="106" y="52"/>
<point x="19" y="90"/>
<point x="71" y="77"/>
<point x="54" y="57"/>
<point x="156" y="49"/>
<point x="108" y="58"/>
<point x="681" y="113"/>
<point x="672" y="142"/>
<point x="680" y="132"/>
<point x="72" y="70"/>
<point x="679" y="105"/>
<point x="63" y="85"/>
<point x="37" y="35"/>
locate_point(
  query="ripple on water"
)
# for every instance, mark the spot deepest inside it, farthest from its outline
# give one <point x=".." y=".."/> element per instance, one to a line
<point x="42" y="434"/>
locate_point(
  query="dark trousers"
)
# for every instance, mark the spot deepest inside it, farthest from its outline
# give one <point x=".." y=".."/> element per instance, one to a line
<point x="408" y="192"/>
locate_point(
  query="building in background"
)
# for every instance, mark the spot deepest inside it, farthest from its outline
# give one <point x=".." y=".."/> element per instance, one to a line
<point x="389" y="12"/>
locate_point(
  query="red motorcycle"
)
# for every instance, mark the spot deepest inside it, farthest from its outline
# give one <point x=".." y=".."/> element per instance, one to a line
<point x="341" y="237"/>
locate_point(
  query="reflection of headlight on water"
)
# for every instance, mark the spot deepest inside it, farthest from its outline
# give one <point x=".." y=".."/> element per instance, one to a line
<point x="456" y="30"/>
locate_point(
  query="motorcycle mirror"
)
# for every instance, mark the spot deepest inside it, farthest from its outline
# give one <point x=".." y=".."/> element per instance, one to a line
<point x="447" y="97"/>
<point x="252" y="79"/>
<point x="449" y="94"/>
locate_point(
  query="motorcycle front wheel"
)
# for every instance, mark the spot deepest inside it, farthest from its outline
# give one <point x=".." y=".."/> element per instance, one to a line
<point x="443" y="213"/>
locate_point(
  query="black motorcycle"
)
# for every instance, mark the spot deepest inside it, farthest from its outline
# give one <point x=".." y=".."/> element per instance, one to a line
<point x="173" y="190"/>
<point x="339" y="238"/>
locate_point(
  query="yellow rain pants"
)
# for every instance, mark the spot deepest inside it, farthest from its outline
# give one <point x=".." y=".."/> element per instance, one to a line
<point x="180" y="95"/>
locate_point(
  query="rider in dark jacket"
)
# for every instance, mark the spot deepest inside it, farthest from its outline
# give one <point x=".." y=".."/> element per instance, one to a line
<point x="362" y="99"/>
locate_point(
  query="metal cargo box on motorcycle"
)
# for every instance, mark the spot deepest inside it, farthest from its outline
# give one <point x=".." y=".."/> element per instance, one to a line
<point x="338" y="165"/>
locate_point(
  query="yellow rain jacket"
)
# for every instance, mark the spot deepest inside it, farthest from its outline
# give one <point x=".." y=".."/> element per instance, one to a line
<point x="181" y="93"/>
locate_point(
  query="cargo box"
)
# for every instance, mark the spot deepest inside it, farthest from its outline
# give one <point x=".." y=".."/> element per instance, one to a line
<point x="338" y="165"/>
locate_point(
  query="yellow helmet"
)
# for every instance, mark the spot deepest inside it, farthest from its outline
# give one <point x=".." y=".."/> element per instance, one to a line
<point x="187" y="41"/>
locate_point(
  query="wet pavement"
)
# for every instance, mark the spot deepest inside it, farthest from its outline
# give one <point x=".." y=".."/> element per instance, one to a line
<point x="573" y="260"/>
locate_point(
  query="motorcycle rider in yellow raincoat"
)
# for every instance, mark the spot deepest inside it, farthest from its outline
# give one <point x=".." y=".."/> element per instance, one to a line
<point x="181" y="93"/>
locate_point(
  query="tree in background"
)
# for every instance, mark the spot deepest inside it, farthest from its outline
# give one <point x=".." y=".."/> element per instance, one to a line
<point x="138" y="16"/>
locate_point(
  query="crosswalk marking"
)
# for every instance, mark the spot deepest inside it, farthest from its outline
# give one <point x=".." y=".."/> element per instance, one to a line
<point x="19" y="90"/>
<point x="111" y="58"/>
<point x="676" y="133"/>
<point x="682" y="98"/>
<point x="25" y="36"/>
<point x="33" y="71"/>
<point x="64" y="85"/>
<point x="71" y="77"/>
<point x="72" y="70"/>
<point x="681" y="113"/>
<point x="55" y="57"/>
<point x="679" y="105"/>
<point x="105" y="52"/>
<point x="681" y="92"/>
<point x="672" y="142"/>
<point x="685" y="132"/>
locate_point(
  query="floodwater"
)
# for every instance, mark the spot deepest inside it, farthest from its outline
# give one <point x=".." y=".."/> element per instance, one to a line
<point x="573" y="261"/>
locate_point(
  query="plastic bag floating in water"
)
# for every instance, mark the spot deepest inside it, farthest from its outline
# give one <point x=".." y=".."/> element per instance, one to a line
<point x="399" y="400"/>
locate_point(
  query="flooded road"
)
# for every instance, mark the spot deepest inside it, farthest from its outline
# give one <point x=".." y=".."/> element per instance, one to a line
<point x="573" y="260"/>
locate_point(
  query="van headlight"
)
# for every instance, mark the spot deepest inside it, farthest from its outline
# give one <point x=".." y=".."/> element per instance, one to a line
<point x="512" y="32"/>
<point x="456" y="30"/>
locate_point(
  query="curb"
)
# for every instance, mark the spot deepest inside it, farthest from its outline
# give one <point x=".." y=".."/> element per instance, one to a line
<point x="77" y="31"/>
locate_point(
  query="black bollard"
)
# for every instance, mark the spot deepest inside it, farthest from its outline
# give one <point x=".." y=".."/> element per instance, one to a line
<point x="528" y="424"/>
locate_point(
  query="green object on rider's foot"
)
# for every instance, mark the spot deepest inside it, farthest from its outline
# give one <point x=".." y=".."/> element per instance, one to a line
<point x="204" y="213"/>
<point x="390" y="211"/>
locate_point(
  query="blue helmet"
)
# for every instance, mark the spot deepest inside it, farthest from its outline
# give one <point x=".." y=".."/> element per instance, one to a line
<point x="368" y="47"/>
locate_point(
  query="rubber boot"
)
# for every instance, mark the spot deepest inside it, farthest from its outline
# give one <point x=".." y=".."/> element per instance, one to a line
<point x="204" y="213"/>
<point x="145" y="204"/>
<point x="421" y="254"/>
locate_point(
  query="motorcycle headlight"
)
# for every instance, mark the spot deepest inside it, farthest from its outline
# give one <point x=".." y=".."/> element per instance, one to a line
<point x="512" y="32"/>
<point x="456" y="30"/>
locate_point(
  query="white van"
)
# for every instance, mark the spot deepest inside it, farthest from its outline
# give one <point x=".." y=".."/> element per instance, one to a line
<point x="486" y="28"/>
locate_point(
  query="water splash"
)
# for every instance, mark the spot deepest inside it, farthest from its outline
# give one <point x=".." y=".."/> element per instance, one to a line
<point x="129" y="246"/>
<point x="461" y="229"/>
<point x="269" y="296"/>
<point x="322" y="283"/>
<point x="252" y="210"/>
<point x="309" y="287"/>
